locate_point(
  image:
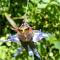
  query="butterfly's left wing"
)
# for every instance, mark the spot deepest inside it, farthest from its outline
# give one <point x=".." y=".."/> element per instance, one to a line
<point x="38" y="35"/>
<point x="12" y="38"/>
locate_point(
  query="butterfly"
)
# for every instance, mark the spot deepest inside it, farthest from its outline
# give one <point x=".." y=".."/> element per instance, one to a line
<point x="26" y="36"/>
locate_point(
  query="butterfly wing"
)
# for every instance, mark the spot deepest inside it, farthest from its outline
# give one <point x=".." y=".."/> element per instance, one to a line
<point x="13" y="24"/>
<point x="12" y="38"/>
<point x="38" y="35"/>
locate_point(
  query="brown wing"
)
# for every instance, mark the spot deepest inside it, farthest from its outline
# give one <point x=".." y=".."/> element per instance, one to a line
<point x="13" y="24"/>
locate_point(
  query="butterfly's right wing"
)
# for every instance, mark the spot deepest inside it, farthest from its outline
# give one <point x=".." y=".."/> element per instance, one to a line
<point x="38" y="35"/>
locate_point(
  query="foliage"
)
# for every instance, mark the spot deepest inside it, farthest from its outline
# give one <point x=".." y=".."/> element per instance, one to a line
<point x="41" y="14"/>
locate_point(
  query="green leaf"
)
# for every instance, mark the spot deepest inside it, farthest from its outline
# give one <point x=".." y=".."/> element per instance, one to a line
<point x="42" y="5"/>
<point x="57" y="44"/>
